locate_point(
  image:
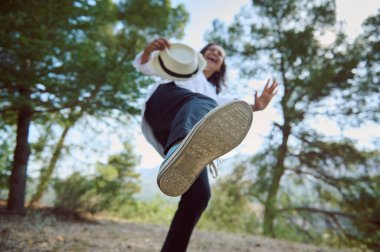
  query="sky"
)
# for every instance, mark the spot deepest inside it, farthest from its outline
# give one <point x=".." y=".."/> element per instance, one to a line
<point x="202" y="13"/>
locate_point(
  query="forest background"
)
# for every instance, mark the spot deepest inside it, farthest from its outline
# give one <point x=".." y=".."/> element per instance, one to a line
<point x="69" y="94"/>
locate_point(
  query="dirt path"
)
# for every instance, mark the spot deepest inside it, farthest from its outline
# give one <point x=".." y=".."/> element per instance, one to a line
<point x="41" y="233"/>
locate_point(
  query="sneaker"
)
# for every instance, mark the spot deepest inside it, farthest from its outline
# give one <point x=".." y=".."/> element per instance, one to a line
<point x="220" y="131"/>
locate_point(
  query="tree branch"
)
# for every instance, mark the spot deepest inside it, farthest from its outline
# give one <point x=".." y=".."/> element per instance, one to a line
<point x="331" y="214"/>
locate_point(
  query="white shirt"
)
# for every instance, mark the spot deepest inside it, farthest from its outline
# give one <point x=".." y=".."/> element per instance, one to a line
<point x="197" y="84"/>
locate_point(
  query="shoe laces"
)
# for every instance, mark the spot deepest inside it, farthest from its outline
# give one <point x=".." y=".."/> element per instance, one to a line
<point x="214" y="168"/>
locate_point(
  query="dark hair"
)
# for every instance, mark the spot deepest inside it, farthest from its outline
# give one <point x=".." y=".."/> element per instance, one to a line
<point x="217" y="78"/>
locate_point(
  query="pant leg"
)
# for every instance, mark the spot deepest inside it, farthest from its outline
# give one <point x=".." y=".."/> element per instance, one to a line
<point x="187" y="116"/>
<point x="190" y="209"/>
<point x="172" y="112"/>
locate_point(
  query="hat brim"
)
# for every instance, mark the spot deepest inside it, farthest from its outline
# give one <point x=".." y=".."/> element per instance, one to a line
<point x="154" y="64"/>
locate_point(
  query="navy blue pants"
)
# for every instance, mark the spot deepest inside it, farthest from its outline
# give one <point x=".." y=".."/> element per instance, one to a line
<point x="172" y="112"/>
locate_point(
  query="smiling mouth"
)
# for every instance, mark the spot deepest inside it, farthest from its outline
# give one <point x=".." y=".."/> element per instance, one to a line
<point x="211" y="59"/>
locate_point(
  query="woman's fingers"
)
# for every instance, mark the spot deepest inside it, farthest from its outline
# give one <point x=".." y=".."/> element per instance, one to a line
<point x="266" y="85"/>
<point x="273" y="89"/>
<point x="160" y="44"/>
<point x="157" y="44"/>
<point x="273" y="94"/>
<point x="165" y="42"/>
<point x="270" y="87"/>
<point x="273" y="86"/>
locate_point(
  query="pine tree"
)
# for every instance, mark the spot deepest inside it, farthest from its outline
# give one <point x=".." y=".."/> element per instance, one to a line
<point x="62" y="60"/>
<point x="301" y="170"/>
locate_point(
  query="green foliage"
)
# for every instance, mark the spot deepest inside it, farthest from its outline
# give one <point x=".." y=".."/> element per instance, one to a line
<point x="361" y="104"/>
<point x="329" y="196"/>
<point x="298" y="232"/>
<point x="156" y="17"/>
<point x="157" y="210"/>
<point x="113" y="186"/>
<point x="76" y="54"/>
<point x="71" y="192"/>
<point x="6" y="153"/>
<point x="230" y="209"/>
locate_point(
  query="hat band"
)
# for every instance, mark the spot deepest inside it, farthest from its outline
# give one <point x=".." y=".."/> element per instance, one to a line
<point x="174" y="74"/>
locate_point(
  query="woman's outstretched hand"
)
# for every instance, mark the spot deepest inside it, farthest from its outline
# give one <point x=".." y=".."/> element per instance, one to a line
<point x="262" y="101"/>
<point x="157" y="44"/>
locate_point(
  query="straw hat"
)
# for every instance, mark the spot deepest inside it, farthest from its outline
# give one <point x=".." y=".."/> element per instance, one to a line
<point x="179" y="62"/>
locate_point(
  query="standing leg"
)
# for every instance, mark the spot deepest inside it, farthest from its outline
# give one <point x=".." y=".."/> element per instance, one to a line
<point x="190" y="208"/>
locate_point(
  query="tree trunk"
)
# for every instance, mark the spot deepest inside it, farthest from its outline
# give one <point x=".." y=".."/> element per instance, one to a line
<point x="278" y="171"/>
<point x="17" y="180"/>
<point x="46" y="173"/>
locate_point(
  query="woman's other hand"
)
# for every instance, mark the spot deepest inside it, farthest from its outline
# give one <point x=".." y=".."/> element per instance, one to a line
<point x="157" y="44"/>
<point x="262" y="101"/>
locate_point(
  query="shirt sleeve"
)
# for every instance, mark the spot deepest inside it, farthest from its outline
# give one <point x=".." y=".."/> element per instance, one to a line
<point x="143" y="68"/>
<point x="222" y="99"/>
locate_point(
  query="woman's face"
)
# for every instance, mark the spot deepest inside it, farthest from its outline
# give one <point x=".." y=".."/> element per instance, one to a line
<point x="214" y="56"/>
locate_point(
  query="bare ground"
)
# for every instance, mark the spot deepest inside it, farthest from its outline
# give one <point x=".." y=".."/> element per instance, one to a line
<point x="41" y="232"/>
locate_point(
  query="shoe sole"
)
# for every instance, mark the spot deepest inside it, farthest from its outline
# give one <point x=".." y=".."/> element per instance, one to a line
<point x="220" y="131"/>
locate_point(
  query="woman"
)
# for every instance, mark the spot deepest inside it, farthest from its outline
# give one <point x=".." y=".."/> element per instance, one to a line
<point x="190" y="124"/>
